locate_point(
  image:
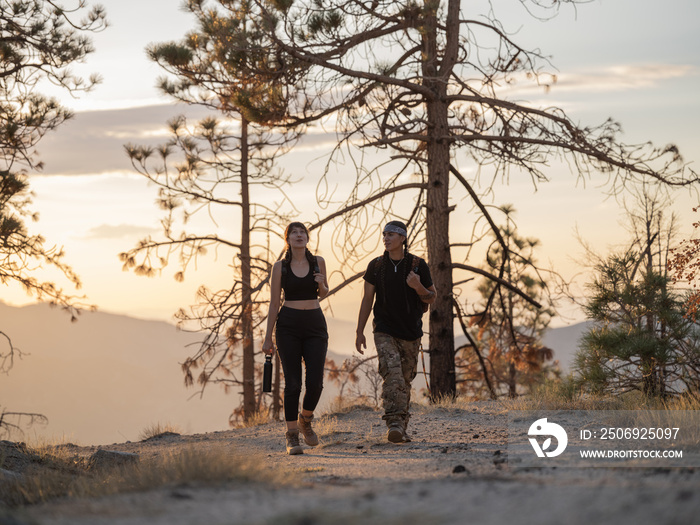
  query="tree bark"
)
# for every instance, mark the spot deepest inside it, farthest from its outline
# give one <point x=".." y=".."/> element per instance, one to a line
<point x="441" y="327"/>
<point x="512" y="383"/>
<point x="247" y="300"/>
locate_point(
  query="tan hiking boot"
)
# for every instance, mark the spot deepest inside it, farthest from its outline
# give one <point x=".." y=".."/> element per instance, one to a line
<point x="293" y="445"/>
<point x="395" y="433"/>
<point x="304" y="423"/>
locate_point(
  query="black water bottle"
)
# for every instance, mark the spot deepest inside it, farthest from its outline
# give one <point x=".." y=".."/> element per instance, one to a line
<point x="267" y="374"/>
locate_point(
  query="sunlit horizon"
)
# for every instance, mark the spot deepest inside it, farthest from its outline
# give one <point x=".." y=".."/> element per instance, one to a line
<point x="92" y="203"/>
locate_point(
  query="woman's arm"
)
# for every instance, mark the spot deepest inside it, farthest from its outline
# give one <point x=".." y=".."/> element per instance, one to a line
<point x="273" y="310"/>
<point x="321" y="278"/>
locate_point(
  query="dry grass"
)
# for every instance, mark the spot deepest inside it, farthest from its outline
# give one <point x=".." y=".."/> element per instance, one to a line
<point x="682" y="403"/>
<point x="343" y="405"/>
<point x="646" y="412"/>
<point x="56" y="472"/>
<point x="189" y="465"/>
<point x="325" y="427"/>
<point x="261" y="417"/>
<point x="632" y="409"/>
<point x="561" y="396"/>
<point x="44" y="472"/>
<point x="680" y="412"/>
<point x="375" y="436"/>
<point x="157" y="430"/>
<point x="444" y="403"/>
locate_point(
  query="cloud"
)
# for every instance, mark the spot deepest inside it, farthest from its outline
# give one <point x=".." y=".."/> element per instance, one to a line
<point x="121" y="231"/>
<point x="623" y="77"/>
<point x="609" y="79"/>
<point x="93" y="141"/>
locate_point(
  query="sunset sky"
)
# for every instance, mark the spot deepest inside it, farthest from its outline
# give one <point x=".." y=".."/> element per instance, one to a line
<point x="634" y="60"/>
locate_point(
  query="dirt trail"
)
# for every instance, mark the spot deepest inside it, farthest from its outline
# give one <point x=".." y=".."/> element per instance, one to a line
<point x="454" y="470"/>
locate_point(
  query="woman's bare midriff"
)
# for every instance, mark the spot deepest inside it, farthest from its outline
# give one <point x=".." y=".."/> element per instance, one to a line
<point x="308" y="304"/>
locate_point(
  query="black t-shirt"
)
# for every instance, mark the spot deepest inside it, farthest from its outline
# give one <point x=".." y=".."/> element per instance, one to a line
<point x="397" y="308"/>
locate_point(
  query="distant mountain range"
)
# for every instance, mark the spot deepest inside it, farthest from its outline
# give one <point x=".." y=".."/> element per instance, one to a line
<point x="564" y="341"/>
<point x="107" y="377"/>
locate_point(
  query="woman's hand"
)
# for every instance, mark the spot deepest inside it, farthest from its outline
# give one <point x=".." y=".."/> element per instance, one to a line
<point x="268" y="347"/>
<point x="321" y="280"/>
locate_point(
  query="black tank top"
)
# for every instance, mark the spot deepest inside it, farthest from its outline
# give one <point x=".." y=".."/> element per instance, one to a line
<point x="299" y="288"/>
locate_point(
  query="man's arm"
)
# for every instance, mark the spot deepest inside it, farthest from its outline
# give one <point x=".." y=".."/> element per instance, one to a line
<point x="427" y="295"/>
<point x="363" y="317"/>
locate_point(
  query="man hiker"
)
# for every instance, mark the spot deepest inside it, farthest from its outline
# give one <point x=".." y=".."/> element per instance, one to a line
<point x="399" y="286"/>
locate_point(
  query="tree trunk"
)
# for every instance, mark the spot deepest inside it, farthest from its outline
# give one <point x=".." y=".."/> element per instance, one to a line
<point x="442" y="362"/>
<point x="650" y="381"/>
<point x="512" y="383"/>
<point x="648" y="376"/>
<point x="247" y="302"/>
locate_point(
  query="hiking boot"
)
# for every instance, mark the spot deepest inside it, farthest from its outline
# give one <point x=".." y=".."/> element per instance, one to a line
<point x="396" y="434"/>
<point x="406" y="438"/>
<point x="304" y="423"/>
<point x="293" y="445"/>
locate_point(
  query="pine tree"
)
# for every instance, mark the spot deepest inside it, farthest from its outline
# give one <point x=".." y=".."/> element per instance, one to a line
<point x="507" y="329"/>
<point x="39" y="41"/>
<point x="640" y="340"/>
<point x="224" y="164"/>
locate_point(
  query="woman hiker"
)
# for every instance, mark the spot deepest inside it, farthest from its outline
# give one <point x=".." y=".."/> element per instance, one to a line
<point x="403" y="288"/>
<point x="301" y="332"/>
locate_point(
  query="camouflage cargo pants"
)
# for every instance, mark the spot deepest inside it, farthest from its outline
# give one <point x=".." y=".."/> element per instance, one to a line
<point x="398" y="364"/>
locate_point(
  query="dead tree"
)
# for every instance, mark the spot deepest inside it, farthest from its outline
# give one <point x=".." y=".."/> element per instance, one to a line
<point x="420" y="82"/>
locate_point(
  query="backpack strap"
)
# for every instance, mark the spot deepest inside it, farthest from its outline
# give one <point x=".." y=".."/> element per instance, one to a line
<point x="315" y="269"/>
<point x="377" y="263"/>
<point x="414" y="263"/>
<point x="284" y="273"/>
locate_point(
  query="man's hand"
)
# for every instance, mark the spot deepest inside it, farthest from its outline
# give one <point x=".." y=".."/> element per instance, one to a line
<point x="360" y="343"/>
<point x="413" y="280"/>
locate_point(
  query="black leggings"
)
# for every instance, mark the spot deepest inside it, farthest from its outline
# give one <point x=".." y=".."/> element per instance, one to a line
<point x="301" y="335"/>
